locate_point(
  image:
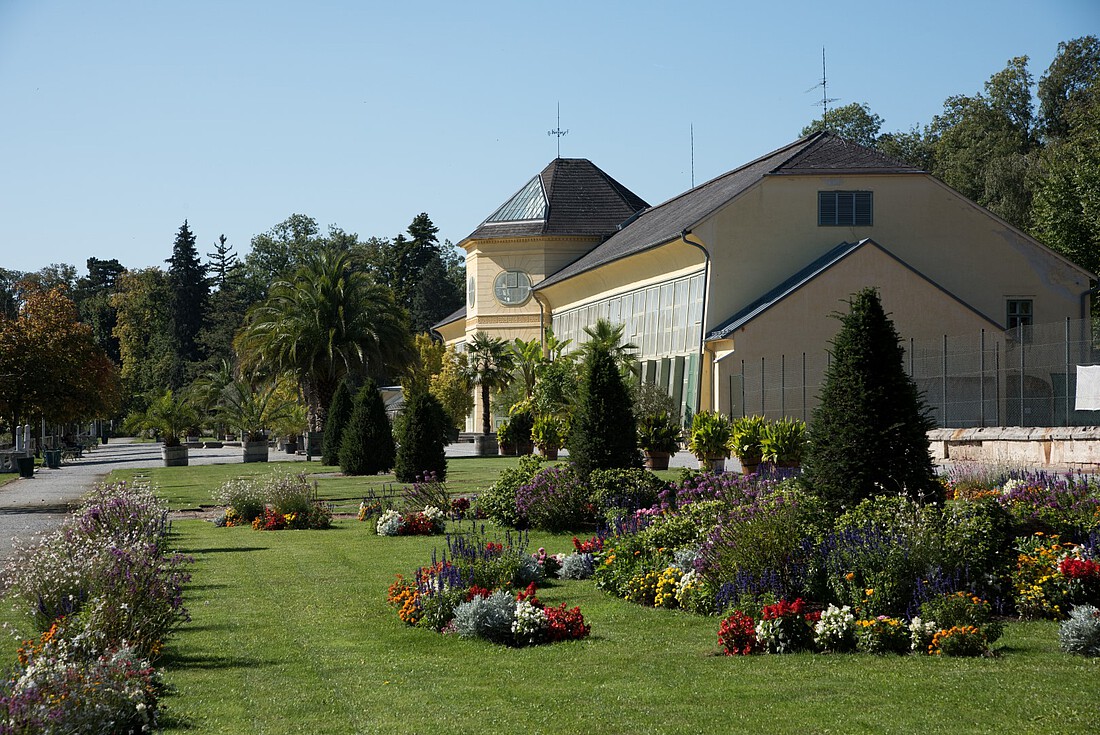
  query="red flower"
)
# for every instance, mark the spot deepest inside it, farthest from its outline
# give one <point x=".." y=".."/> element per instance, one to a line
<point x="591" y="546"/>
<point x="737" y="634"/>
<point x="1082" y="569"/>
<point x="566" y="625"/>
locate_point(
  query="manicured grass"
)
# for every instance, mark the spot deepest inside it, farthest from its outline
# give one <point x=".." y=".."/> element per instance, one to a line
<point x="291" y="633"/>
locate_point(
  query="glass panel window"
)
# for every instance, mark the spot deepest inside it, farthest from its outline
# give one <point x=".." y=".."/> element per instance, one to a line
<point x="1020" y="313"/>
<point x="681" y="315"/>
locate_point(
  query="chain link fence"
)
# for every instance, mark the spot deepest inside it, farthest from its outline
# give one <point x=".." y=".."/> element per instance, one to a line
<point x="1025" y="376"/>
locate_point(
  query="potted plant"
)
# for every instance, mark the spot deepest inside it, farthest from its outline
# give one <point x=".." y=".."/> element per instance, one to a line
<point x="169" y="416"/>
<point x="521" y="423"/>
<point x="506" y="440"/>
<point x="659" y="438"/>
<point x="709" y="439"/>
<point x="548" y="434"/>
<point x="784" y="442"/>
<point x="746" y="435"/>
<point x="251" y="411"/>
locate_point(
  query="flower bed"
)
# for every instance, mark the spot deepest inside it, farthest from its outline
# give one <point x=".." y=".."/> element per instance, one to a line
<point x="427" y="522"/>
<point x="276" y="502"/>
<point x="485" y="589"/>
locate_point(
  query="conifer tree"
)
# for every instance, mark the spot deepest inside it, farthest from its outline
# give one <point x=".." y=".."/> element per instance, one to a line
<point x="366" y="447"/>
<point x="869" y="433"/>
<point x="188" y="291"/>
<point x="604" y="433"/>
<point x="339" y="413"/>
<point x="424" y="431"/>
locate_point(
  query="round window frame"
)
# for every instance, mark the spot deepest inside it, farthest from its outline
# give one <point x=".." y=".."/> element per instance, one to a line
<point x="497" y="287"/>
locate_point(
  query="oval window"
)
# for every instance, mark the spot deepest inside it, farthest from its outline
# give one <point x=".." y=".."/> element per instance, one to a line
<point x="512" y="288"/>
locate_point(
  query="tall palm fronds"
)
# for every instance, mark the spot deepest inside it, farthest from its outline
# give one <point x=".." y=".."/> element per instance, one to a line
<point x="323" y="322"/>
<point x="491" y="361"/>
<point x="603" y="336"/>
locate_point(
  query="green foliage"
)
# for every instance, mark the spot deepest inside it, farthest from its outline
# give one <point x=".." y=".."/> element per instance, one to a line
<point x="747" y="436"/>
<point x="710" y="435"/>
<point x="422" y="440"/>
<point x="784" y="442"/>
<point x="854" y="122"/>
<point x="555" y="499"/>
<point x="336" y="420"/>
<point x="367" y="446"/>
<point x="499" y="501"/>
<point x="547" y="432"/>
<point x="490" y="362"/>
<point x="620" y="492"/>
<point x="188" y="291"/>
<point x="958" y="609"/>
<point x="659" y="432"/>
<point x="1080" y="634"/>
<point x="170" y="415"/>
<point x="978" y="536"/>
<point x="603" y="434"/>
<point x="869" y="433"/>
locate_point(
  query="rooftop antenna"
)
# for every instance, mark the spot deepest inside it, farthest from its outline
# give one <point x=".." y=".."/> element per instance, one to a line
<point x="825" y="98"/>
<point x="692" y="155"/>
<point x="558" y="132"/>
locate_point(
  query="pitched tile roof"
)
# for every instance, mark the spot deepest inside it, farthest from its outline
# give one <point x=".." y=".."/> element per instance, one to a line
<point x="814" y="154"/>
<point x="571" y="196"/>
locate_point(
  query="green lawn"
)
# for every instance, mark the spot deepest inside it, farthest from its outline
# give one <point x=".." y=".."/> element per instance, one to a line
<point x="291" y="634"/>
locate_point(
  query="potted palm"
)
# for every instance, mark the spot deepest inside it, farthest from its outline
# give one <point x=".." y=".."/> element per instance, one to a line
<point x="252" y="411"/>
<point x="746" y="436"/>
<point x="170" y="415"/>
<point x="548" y="434"/>
<point x="784" y="442"/>
<point x="709" y="439"/>
<point x="659" y="438"/>
<point x="506" y="440"/>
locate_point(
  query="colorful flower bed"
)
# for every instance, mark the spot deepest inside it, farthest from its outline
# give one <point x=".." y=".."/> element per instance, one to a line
<point x="277" y="502"/>
<point x="485" y="589"/>
<point x="105" y="593"/>
<point x="427" y="522"/>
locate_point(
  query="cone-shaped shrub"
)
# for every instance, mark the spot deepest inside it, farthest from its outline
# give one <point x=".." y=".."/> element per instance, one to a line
<point x="603" y="435"/>
<point x="367" y="445"/>
<point x="424" y="432"/>
<point x="869" y="433"/>
<point x="339" y="413"/>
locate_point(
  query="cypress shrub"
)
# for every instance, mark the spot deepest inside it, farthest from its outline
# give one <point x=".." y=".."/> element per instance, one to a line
<point x="869" y="432"/>
<point x="366" y="447"/>
<point x="603" y="435"/>
<point x="423" y="436"/>
<point x="339" y="413"/>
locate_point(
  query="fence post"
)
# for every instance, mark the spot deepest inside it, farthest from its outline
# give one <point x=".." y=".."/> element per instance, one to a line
<point x="803" y="387"/>
<point x="943" y="382"/>
<point x="1067" y="371"/>
<point x="743" y="389"/>
<point x="782" y="386"/>
<point x="1020" y="333"/>
<point x="981" y="377"/>
<point x="762" y="413"/>
<point x="997" y="377"/>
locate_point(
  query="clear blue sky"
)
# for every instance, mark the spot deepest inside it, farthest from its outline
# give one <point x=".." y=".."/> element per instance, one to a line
<point x="122" y="119"/>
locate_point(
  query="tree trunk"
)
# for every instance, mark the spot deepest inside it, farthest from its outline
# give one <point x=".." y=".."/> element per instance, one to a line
<point x="486" y="417"/>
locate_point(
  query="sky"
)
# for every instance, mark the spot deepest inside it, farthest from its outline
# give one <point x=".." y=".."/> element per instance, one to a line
<point x="120" y="120"/>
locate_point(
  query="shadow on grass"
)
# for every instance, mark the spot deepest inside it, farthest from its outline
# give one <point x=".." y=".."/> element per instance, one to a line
<point x="217" y="586"/>
<point x="209" y="663"/>
<point x="221" y="550"/>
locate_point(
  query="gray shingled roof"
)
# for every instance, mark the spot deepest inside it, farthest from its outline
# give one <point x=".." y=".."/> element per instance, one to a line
<point x="454" y="316"/>
<point x="814" y="153"/>
<point x="571" y="196"/>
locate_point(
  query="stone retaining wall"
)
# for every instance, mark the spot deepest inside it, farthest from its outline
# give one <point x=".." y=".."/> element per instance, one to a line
<point x="1070" y="447"/>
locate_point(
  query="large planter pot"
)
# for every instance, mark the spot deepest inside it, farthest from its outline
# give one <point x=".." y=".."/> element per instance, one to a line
<point x="657" y="460"/>
<point x="749" y="465"/>
<point x="712" y="463"/>
<point x="255" y="451"/>
<point x="507" y="449"/>
<point x="485" y="445"/>
<point x="524" y="448"/>
<point x="174" y="456"/>
<point x="26" y="466"/>
<point x="549" y="453"/>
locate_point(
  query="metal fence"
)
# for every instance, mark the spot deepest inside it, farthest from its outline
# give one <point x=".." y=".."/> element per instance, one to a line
<point x="1025" y="376"/>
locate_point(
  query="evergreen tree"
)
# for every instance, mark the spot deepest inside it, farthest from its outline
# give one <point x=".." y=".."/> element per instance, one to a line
<point x="339" y="413"/>
<point x="366" y="447"/>
<point x="604" y="433"/>
<point x="226" y="305"/>
<point x="424" y="432"/>
<point x="188" y="292"/>
<point x="869" y="433"/>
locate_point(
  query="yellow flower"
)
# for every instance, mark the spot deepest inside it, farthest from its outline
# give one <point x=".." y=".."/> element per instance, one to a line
<point x="870" y="591"/>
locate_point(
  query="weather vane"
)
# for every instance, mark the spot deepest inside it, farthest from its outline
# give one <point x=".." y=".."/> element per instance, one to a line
<point x="558" y="132"/>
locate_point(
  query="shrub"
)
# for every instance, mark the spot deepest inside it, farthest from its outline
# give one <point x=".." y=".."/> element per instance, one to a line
<point x="488" y="617"/>
<point x="243" y="496"/>
<point x="959" y="640"/>
<point x="421" y="443"/>
<point x="555" y="499"/>
<point x="868" y="434"/>
<point x="366" y="446"/>
<point x="336" y="421"/>
<point x="620" y="492"/>
<point x="577" y="566"/>
<point x="1041" y="591"/>
<point x="429" y="489"/>
<point x="786" y="627"/>
<point x="961" y="609"/>
<point x="1080" y="633"/>
<point x="882" y="635"/>
<point x="603" y="434"/>
<point x="499" y="501"/>
<point x="122" y="514"/>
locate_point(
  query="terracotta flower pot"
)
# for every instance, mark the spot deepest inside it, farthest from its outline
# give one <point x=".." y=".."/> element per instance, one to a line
<point x="657" y="460"/>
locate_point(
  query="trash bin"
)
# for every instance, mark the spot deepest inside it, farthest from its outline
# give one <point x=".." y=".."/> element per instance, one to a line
<point x="26" y="466"/>
<point x="53" y="458"/>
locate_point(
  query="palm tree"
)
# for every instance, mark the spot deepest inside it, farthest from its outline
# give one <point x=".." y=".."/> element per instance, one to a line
<point x="251" y="409"/>
<point x="491" y="363"/>
<point x="170" y="416"/>
<point x="528" y="357"/>
<point x="602" y="336"/>
<point x="323" y="322"/>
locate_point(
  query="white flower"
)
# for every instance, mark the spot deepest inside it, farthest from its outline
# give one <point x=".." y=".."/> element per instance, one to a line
<point x="389" y="523"/>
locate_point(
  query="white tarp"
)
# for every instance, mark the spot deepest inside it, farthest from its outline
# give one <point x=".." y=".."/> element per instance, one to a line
<point x="1088" y="388"/>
